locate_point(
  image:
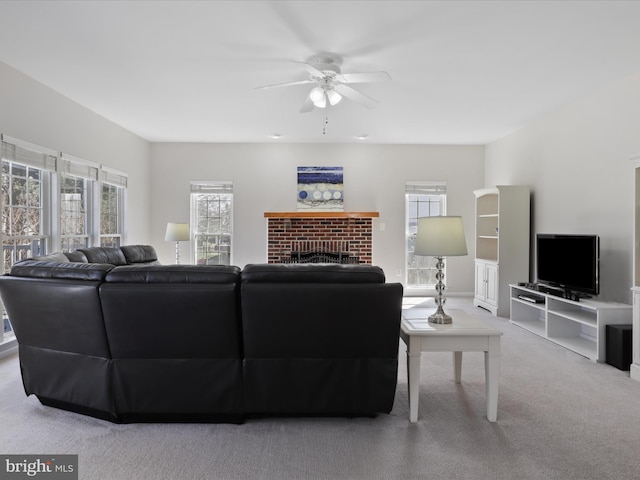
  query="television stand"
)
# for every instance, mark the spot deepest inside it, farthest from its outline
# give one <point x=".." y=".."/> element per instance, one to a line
<point x="555" y="291"/>
<point x="578" y="326"/>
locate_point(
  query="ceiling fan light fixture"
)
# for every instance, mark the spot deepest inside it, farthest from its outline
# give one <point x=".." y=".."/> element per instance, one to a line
<point x="318" y="98"/>
<point x="333" y="96"/>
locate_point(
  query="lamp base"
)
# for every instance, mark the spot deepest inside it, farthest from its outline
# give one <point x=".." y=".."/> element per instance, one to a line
<point x="440" y="317"/>
<point x="177" y="253"/>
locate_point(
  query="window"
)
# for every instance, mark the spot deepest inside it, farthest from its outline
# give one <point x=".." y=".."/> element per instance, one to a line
<point x="422" y="199"/>
<point x="21" y="213"/>
<point x="113" y="187"/>
<point x="26" y="176"/>
<point x="211" y="222"/>
<point x="25" y="231"/>
<point x="77" y="180"/>
<point x="73" y="213"/>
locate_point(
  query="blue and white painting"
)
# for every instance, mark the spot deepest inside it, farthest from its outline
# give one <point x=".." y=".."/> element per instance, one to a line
<point x="320" y="188"/>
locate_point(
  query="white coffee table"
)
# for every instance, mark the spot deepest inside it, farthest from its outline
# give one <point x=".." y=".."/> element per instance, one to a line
<point x="465" y="334"/>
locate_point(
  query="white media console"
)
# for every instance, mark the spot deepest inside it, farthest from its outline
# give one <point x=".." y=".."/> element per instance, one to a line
<point x="577" y="325"/>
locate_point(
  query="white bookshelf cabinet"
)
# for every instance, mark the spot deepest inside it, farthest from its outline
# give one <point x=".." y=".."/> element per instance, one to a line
<point x="577" y="326"/>
<point x="501" y="244"/>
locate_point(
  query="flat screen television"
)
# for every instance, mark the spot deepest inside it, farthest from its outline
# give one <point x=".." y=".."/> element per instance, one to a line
<point x="569" y="262"/>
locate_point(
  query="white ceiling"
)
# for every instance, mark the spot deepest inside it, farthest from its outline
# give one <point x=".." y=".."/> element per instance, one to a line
<point x="462" y="72"/>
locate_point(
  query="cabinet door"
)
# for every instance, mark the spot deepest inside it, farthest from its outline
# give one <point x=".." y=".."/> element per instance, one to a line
<point x="481" y="286"/>
<point x="491" y="289"/>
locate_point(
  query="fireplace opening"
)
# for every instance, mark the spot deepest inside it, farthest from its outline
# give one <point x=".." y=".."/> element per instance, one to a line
<point x="319" y="251"/>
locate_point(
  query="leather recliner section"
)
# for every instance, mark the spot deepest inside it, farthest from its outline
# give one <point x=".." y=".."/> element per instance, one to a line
<point x="319" y="339"/>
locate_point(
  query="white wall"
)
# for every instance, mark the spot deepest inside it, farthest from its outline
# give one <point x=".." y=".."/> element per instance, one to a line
<point x="31" y="112"/>
<point x="265" y="177"/>
<point x="576" y="161"/>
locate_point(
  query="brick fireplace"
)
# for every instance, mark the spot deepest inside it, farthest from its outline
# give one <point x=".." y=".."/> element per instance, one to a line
<point x="298" y="237"/>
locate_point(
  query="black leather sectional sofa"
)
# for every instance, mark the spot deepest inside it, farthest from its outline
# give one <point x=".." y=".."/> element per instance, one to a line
<point x="113" y="334"/>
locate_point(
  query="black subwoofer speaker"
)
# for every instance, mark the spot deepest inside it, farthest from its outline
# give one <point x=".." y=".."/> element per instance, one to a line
<point x="619" y="346"/>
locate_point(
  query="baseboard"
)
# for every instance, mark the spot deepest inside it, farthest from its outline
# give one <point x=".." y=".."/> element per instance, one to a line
<point x="635" y="371"/>
<point x="8" y="347"/>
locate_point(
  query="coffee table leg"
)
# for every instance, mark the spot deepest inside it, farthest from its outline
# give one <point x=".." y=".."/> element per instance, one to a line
<point x="492" y="377"/>
<point x="457" y="366"/>
<point x="413" y="376"/>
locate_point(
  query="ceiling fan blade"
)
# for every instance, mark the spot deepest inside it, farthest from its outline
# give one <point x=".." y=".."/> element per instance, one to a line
<point x="313" y="70"/>
<point x="307" y="106"/>
<point x="288" y="84"/>
<point x="355" y="95"/>
<point x="363" y="77"/>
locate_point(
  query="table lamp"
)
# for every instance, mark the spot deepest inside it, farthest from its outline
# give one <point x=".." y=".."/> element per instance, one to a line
<point x="177" y="232"/>
<point x="440" y="237"/>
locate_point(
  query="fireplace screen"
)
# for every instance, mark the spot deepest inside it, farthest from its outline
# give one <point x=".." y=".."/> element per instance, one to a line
<point x="320" y="252"/>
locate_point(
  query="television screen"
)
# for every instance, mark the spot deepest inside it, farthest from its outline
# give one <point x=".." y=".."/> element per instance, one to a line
<point x="570" y="262"/>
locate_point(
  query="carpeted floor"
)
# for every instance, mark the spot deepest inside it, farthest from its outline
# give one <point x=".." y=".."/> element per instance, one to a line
<point x="560" y="417"/>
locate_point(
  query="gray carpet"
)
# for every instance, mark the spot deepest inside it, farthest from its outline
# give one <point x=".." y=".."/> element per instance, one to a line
<point x="560" y="416"/>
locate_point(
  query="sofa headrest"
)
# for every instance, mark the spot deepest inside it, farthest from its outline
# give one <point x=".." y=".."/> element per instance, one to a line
<point x="311" y="273"/>
<point x="112" y="255"/>
<point x="77" y="256"/>
<point x="140" y="254"/>
<point x="60" y="270"/>
<point x="57" y="257"/>
<point x="216" y="274"/>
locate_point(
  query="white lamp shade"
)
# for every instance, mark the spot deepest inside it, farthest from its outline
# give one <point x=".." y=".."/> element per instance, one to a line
<point x="316" y="94"/>
<point x="440" y="237"/>
<point x="177" y="232"/>
<point x="333" y="96"/>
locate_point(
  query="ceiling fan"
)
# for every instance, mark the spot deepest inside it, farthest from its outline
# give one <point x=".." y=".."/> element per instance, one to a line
<point x="331" y="85"/>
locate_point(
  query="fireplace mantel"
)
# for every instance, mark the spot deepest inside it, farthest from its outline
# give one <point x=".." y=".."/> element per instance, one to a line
<point x="307" y="214"/>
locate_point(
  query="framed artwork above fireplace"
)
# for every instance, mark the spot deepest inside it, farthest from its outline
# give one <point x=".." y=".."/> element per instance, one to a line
<point x="320" y="189"/>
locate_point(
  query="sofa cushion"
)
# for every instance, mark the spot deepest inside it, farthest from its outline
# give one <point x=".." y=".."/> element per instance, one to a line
<point x="140" y="254"/>
<point x="61" y="270"/>
<point x="174" y="274"/>
<point x="311" y="273"/>
<point x="112" y="255"/>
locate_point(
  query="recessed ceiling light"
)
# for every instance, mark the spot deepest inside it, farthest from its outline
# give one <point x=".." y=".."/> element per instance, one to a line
<point x="276" y="135"/>
<point x="362" y="136"/>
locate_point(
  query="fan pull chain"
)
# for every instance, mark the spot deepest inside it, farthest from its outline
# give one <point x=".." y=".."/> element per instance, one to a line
<point x="324" y="126"/>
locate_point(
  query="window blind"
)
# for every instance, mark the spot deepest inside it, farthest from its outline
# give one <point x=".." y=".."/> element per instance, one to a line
<point x="425" y="188"/>
<point x="28" y="154"/>
<point x="77" y="167"/>
<point x="113" y="177"/>
<point x="212" y="187"/>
